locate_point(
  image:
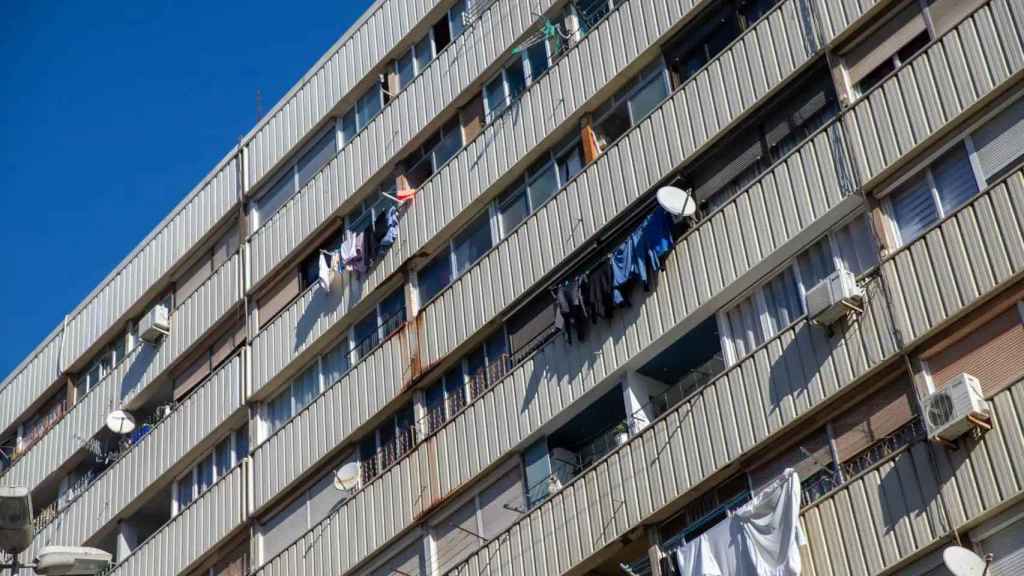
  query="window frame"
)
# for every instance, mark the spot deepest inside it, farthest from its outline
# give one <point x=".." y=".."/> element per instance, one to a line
<point x="193" y="472"/>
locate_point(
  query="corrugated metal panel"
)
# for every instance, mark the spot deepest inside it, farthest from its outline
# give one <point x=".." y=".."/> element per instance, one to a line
<point x="149" y="463"/>
<point x="553" y="219"/>
<point x="315" y="311"/>
<point x="199" y="528"/>
<point x="189" y="323"/>
<point x="791" y="375"/>
<point x="346" y="65"/>
<point x="877" y="519"/>
<point x="187" y="228"/>
<point x="373" y="150"/>
<point x="25" y="387"/>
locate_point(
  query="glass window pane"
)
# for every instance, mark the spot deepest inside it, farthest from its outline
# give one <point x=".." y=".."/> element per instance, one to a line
<point x="184" y="491"/>
<point x="241" y="444"/>
<point x="424" y="53"/>
<point x="406" y="68"/>
<point x="494" y="96"/>
<point x="454" y="390"/>
<point x="476" y="371"/>
<point x="448" y="146"/>
<point x="648" y="98"/>
<point x="954" y="179"/>
<point x="392" y="312"/>
<point x="276" y="197"/>
<point x="366" y="335"/>
<point x="782" y="298"/>
<point x="537" y="56"/>
<point x="913" y="209"/>
<point x="307" y="386"/>
<point x="816" y="263"/>
<point x="569" y="164"/>
<point x="317" y="156"/>
<point x="336" y="362"/>
<point x="472" y="243"/>
<point x="856" y="245"/>
<point x="280" y="410"/>
<point x="435" y="276"/>
<point x="613" y="125"/>
<point x="348" y="127"/>
<point x="369" y="106"/>
<point x="456" y="18"/>
<point x="515" y="76"/>
<point x="513" y="208"/>
<point x="435" y="406"/>
<point x="543" y="185"/>
<point x="224" y="457"/>
<point x="204" y="473"/>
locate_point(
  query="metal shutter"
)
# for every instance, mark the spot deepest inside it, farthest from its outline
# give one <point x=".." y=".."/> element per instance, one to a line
<point x="500" y="502"/>
<point x="947" y="13"/>
<point x="284" y="528"/>
<point x="1007" y="549"/>
<point x="877" y="416"/>
<point x="409" y="561"/>
<point x="806" y="458"/>
<point x="982" y="354"/>
<point x="1000" y="141"/>
<point x="456" y="537"/>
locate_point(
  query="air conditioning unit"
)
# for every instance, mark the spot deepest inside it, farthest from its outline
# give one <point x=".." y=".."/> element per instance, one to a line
<point x="155" y="324"/>
<point x="954" y="410"/>
<point x="830" y="300"/>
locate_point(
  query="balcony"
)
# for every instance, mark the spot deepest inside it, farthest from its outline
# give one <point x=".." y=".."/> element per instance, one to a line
<point x="149" y="461"/>
<point x="129" y="378"/>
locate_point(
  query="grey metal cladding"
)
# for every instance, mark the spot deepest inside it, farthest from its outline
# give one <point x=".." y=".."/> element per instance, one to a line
<point x="755" y="382"/>
<point x="153" y="459"/>
<point x="360" y="163"/>
<point x="208" y="521"/>
<point x="521" y="259"/>
<point x="543" y="241"/>
<point x="143" y="366"/>
<point x="793" y="373"/>
<point x="23" y="388"/>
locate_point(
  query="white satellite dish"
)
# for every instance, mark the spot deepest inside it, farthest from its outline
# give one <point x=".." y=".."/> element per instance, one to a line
<point x="676" y="201"/>
<point x="346" y="478"/>
<point x="120" y="422"/>
<point x="963" y="562"/>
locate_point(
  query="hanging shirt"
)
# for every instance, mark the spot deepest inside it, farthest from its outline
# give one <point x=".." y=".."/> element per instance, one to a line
<point x="656" y="237"/>
<point x="352" y="252"/>
<point x="622" y="267"/>
<point x="599" y="291"/>
<point x="391" y="233"/>
<point x="695" y="558"/>
<point x="324" y="273"/>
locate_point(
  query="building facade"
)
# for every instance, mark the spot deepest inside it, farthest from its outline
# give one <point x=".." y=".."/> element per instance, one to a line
<point x="429" y="317"/>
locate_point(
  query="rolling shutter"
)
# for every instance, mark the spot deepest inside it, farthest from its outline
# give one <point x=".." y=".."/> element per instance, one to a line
<point x="983" y="353"/>
<point x="1000" y="141"/>
<point x="947" y="13"/>
<point x="876" y="417"/>
<point x="1007" y="549"/>
<point x="284" y="528"/>
<point x="409" y="561"/>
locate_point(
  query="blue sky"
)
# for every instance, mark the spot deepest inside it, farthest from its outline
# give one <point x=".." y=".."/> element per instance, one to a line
<point x="110" y="112"/>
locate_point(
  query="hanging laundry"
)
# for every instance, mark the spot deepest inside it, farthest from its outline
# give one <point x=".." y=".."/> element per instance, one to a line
<point x="352" y="252"/>
<point x="324" y="273"/>
<point x="369" y="247"/>
<point x="569" y="314"/>
<point x="599" y="295"/>
<point x="761" y="538"/>
<point x="622" y="271"/>
<point x="391" y="234"/>
<point x="336" y="263"/>
<point x="380" y="228"/>
<point x="656" y="237"/>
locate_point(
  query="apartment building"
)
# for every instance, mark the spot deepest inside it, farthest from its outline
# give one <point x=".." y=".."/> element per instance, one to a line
<point x="432" y="317"/>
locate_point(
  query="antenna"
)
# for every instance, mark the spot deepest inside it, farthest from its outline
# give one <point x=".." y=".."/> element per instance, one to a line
<point x="963" y="562"/>
<point x="259" y="104"/>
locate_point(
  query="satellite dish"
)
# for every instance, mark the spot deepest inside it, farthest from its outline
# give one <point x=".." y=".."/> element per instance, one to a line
<point x="963" y="562"/>
<point x="120" y="422"/>
<point x="346" y="478"/>
<point x="676" y="201"/>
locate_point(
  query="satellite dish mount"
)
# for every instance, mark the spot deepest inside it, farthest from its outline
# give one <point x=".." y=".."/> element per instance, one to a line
<point x="963" y="562"/>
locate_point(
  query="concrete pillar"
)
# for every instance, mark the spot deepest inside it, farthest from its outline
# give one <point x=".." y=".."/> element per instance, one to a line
<point x="637" y="392"/>
<point x="127" y="539"/>
<point x="654" y="554"/>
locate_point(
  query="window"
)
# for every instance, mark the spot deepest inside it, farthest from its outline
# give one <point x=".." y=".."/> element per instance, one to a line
<point x="316" y="157"/>
<point x="542" y="180"/>
<point x="999" y="143"/>
<point x="385" y="319"/>
<point x="424" y="53"/>
<point x="933" y="194"/>
<point x="369" y="105"/>
<point x="776" y="304"/>
<point x="698" y="44"/>
<point x="271" y="201"/>
<point x="405" y="68"/>
<point x="457" y="19"/>
<point x="105" y="361"/>
<point x="299" y="393"/>
<point x="513" y="208"/>
<point x="435" y="275"/>
<point x="487" y="364"/>
<point x="211" y="467"/>
<point x="426" y="160"/>
<point x="886" y="48"/>
<point x="627" y="108"/>
<point x="388" y="443"/>
<point x="296" y="175"/>
<point x="505" y="88"/>
<point x="470" y="244"/>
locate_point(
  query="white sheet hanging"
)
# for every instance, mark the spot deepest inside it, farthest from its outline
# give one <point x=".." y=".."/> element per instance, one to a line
<point x="324" y="273"/>
<point x="762" y="538"/>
